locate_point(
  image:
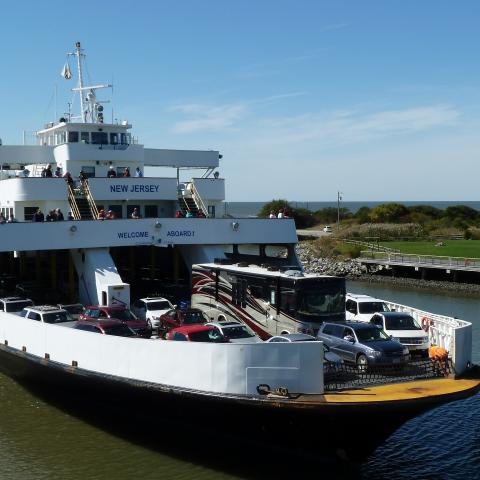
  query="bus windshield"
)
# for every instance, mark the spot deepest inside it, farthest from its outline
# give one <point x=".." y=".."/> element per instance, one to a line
<point x="322" y="299"/>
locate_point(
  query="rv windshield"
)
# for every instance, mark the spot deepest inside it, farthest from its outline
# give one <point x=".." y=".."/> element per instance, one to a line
<point x="321" y="299"/>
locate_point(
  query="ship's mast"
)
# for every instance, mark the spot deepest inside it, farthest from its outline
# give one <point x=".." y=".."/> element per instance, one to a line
<point x="92" y="109"/>
<point x="78" y="54"/>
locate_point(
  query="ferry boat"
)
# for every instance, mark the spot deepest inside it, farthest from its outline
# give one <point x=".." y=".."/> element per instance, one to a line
<point x="124" y="239"/>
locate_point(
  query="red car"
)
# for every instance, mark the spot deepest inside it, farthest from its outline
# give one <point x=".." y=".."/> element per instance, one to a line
<point x="118" y="312"/>
<point x="178" y="318"/>
<point x="105" y="327"/>
<point x="196" y="333"/>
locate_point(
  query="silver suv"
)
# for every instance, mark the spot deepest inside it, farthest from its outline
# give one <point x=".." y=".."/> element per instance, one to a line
<point x="362" y="343"/>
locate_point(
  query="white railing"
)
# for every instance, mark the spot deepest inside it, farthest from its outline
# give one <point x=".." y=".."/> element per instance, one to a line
<point x="426" y="260"/>
<point x="451" y="333"/>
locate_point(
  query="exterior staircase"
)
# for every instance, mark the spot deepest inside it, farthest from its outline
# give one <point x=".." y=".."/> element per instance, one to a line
<point x="84" y="208"/>
<point x="82" y="202"/>
<point x="187" y="204"/>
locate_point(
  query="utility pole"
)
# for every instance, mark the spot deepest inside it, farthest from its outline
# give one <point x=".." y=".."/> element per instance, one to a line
<point x="339" y="197"/>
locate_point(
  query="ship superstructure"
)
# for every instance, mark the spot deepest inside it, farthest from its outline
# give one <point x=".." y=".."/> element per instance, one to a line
<point x="86" y="255"/>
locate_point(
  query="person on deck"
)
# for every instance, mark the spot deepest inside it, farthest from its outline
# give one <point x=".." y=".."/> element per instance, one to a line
<point x="126" y="172"/>
<point x="110" y="215"/>
<point x="59" y="215"/>
<point x="58" y="172"/>
<point x="178" y="214"/>
<point x="111" y="172"/>
<point x="138" y="172"/>
<point x="38" y="216"/>
<point x="136" y="214"/>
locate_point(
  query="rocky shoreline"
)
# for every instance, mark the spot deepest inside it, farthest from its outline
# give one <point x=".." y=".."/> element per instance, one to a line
<point x="351" y="269"/>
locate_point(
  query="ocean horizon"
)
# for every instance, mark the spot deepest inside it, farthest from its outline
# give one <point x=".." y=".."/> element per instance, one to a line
<point x="251" y="209"/>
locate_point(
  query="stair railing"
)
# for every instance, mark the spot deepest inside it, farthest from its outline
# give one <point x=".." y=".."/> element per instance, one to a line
<point x="198" y="200"/>
<point x="73" y="203"/>
<point x="90" y="199"/>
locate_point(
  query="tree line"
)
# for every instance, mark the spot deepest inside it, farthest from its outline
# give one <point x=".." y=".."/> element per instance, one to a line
<point x="430" y="218"/>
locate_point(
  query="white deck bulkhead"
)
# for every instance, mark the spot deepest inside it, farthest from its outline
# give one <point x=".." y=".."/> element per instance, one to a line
<point x="229" y="368"/>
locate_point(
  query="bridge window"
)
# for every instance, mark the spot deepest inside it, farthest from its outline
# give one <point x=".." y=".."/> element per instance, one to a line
<point x="114" y="138"/>
<point x="99" y="138"/>
<point x="125" y="138"/>
<point x="276" y="251"/>
<point x="85" y="137"/>
<point x="72" y="137"/>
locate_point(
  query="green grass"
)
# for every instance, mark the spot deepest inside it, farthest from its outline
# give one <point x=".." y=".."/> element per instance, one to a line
<point x="450" y="248"/>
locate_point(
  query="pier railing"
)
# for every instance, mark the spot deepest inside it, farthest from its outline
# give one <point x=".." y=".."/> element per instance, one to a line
<point x="422" y="260"/>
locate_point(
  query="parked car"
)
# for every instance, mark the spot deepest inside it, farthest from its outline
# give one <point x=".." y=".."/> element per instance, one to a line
<point x="327" y="229"/>
<point x="196" y="333"/>
<point x="151" y="309"/>
<point x="236" y="332"/>
<point x="118" y="312"/>
<point x="105" y="327"/>
<point x="14" y="304"/>
<point x="362" y="307"/>
<point x="403" y="328"/>
<point x="362" y="343"/>
<point x="48" y="314"/>
<point x="74" y="309"/>
<point x="177" y="318"/>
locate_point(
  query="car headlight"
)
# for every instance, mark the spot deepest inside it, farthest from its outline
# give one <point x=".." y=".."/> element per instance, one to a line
<point x="374" y="353"/>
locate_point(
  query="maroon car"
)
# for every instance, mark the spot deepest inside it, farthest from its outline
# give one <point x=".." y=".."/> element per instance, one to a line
<point x="118" y="312"/>
<point x="196" y="333"/>
<point x="105" y="327"/>
<point x="177" y="318"/>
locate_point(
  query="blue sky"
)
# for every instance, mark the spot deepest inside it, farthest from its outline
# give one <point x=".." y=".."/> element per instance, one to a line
<point x="377" y="99"/>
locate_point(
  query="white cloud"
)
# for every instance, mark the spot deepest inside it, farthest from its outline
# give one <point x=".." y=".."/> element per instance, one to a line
<point x="344" y="127"/>
<point x="211" y="118"/>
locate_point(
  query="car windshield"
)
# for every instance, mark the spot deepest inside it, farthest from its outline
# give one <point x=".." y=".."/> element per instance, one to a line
<point x="212" y="335"/>
<point x="237" y="332"/>
<point x="371" y="335"/>
<point x="160" y="305"/>
<point x="191" y="318"/>
<point x="57" y="317"/>
<point x="124" y="315"/>
<point x="17" y="306"/>
<point x="119" y="331"/>
<point x="405" y="322"/>
<point x="73" y="309"/>
<point x="372" y="307"/>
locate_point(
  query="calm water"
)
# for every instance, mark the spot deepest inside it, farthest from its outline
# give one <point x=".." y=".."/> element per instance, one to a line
<point x="42" y="440"/>
<point x="248" y="209"/>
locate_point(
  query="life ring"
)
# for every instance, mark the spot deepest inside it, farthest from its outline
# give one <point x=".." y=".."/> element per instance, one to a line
<point x="426" y="323"/>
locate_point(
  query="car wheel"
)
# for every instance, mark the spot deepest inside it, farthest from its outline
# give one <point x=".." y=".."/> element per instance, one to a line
<point x="362" y="361"/>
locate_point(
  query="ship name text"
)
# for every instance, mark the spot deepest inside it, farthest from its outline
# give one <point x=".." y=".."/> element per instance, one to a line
<point x="134" y="188"/>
